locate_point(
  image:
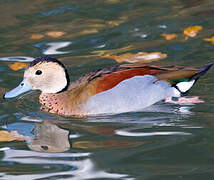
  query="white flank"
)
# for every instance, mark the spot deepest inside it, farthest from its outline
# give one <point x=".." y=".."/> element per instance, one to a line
<point x="131" y="95"/>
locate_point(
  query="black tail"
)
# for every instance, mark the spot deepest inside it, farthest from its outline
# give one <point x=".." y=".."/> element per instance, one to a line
<point x="203" y="71"/>
<point x="184" y="87"/>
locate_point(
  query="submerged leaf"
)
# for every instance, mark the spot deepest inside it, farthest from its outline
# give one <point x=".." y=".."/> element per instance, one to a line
<point x="192" y="31"/>
<point x="211" y="40"/>
<point x="55" y="34"/>
<point x="83" y="32"/>
<point x="117" y="22"/>
<point x="142" y="57"/>
<point x="103" y="144"/>
<point x="169" y="36"/>
<point x="36" y="36"/>
<point x="101" y="53"/>
<point x="112" y="1"/>
<point x="18" y="65"/>
<point x="6" y="136"/>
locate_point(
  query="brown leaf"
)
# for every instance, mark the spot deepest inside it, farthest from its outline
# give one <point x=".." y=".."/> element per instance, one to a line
<point x="18" y="65"/>
<point x="169" y="36"/>
<point x="36" y="36"/>
<point x="141" y="57"/>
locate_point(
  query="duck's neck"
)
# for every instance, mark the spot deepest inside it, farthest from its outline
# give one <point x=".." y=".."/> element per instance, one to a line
<point x="70" y="102"/>
<point x="61" y="103"/>
<point x="67" y="103"/>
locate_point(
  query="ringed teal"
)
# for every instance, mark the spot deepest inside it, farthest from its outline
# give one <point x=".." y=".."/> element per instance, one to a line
<point x="121" y="88"/>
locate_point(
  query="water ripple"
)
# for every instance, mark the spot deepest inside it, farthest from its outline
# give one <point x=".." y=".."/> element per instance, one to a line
<point x="80" y="169"/>
<point x="52" y="47"/>
<point x="126" y="132"/>
<point x="60" y="10"/>
<point x="17" y="58"/>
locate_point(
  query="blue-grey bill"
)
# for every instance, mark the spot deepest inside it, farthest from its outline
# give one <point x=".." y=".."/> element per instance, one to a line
<point x="23" y="87"/>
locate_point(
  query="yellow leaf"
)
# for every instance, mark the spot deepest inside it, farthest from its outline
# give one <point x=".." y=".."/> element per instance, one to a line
<point x="84" y="32"/>
<point x="211" y="40"/>
<point x="192" y="31"/>
<point x="6" y="136"/>
<point x="55" y="34"/>
<point x="18" y="65"/>
<point x="89" y="31"/>
<point x="36" y="36"/>
<point x="117" y="22"/>
<point x="142" y="57"/>
<point x="169" y="36"/>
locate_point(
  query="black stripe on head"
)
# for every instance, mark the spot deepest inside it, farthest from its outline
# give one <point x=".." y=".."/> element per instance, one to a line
<point x="50" y="59"/>
<point x="45" y="59"/>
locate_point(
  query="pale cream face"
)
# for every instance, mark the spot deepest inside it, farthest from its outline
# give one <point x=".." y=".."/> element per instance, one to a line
<point x="49" y="77"/>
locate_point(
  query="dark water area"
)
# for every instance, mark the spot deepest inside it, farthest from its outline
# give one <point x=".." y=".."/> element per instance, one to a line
<point x="164" y="142"/>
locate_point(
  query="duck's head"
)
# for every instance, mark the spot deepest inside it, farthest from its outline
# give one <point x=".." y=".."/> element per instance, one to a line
<point x="45" y="74"/>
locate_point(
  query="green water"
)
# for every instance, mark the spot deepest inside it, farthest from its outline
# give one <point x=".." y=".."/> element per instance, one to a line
<point x="168" y="142"/>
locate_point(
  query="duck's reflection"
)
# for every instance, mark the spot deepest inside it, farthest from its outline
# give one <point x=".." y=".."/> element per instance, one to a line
<point x="57" y="146"/>
<point x="49" y="138"/>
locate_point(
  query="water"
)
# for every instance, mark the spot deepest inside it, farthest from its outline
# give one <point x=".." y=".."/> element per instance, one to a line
<point x="166" y="141"/>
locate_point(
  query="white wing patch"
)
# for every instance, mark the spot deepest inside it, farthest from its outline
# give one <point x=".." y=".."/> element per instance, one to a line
<point x="185" y="86"/>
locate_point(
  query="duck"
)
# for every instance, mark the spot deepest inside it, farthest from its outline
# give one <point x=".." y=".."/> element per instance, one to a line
<point x="117" y="89"/>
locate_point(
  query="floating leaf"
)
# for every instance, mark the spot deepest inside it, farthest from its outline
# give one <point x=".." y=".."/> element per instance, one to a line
<point x="211" y="40"/>
<point x="55" y="34"/>
<point x="36" y="36"/>
<point x="192" y="31"/>
<point x="6" y="136"/>
<point x="169" y="36"/>
<point x="142" y="57"/>
<point x="18" y="65"/>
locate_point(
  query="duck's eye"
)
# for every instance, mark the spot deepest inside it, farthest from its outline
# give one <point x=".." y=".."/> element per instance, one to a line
<point x="38" y="72"/>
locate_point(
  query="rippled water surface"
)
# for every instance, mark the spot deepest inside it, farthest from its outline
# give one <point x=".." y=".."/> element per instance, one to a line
<point x="166" y="141"/>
